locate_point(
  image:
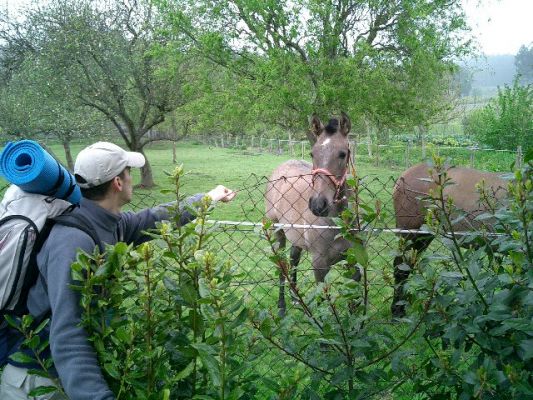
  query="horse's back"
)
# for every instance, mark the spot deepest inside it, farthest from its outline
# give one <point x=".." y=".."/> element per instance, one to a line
<point x="415" y="183"/>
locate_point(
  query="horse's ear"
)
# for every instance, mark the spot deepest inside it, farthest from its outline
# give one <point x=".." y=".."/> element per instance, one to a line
<point x="346" y="124"/>
<point x="316" y="128"/>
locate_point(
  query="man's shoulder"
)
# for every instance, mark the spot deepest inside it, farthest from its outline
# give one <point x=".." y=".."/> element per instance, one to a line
<point x="66" y="235"/>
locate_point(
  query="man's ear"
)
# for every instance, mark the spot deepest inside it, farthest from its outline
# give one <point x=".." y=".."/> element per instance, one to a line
<point x="117" y="184"/>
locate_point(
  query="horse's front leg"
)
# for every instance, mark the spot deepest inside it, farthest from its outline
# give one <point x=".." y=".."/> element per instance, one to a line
<point x="321" y="266"/>
<point x="282" y="308"/>
<point x="296" y="253"/>
<point x="403" y="264"/>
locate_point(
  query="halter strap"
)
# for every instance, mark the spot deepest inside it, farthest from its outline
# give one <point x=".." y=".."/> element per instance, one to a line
<point x="333" y="178"/>
<point x="337" y="182"/>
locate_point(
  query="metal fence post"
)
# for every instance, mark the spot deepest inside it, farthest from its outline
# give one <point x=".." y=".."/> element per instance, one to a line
<point x="407" y="148"/>
<point x="303" y="149"/>
<point x="173" y="152"/>
<point x="472" y="151"/>
<point x="519" y="157"/>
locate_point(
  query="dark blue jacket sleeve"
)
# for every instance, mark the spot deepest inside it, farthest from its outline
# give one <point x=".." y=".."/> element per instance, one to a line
<point x="133" y="225"/>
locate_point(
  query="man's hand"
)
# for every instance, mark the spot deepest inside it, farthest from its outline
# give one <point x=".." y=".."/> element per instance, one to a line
<point x="221" y="193"/>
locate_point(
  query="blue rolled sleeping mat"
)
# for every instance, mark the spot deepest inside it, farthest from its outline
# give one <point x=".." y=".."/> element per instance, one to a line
<point x="26" y="164"/>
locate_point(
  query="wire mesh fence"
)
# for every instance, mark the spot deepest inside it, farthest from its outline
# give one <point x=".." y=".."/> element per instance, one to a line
<point x="243" y="243"/>
<point x="398" y="155"/>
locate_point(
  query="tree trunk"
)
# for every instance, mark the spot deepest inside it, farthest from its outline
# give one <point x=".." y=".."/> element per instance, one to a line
<point x="147" y="179"/>
<point x="173" y="126"/>
<point x="291" y="148"/>
<point x="68" y="155"/>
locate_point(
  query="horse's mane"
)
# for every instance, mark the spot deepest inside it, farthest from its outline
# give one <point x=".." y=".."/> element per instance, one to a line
<point x="332" y="126"/>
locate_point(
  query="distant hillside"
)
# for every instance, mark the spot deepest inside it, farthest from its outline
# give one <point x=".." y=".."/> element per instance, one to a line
<point x="489" y="73"/>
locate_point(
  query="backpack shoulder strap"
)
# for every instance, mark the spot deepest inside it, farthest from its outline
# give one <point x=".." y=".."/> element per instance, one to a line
<point x="78" y="221"/>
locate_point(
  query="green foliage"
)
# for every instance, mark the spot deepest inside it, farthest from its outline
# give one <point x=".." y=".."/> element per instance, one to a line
<point x="507" y="121"/>
<point x="36" y="100"/>
<point x="290" y="59"/>
<point x="478" y="332"/>
<point x="33" y="352"/>
<point x="163" y="318"/>
<point x="111" y="58"/>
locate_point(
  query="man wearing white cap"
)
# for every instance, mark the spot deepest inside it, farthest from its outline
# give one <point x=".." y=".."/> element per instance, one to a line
<point x="102" y="171"/>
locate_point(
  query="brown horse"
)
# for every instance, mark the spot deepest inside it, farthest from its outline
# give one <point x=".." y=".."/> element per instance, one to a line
<point x="304" y="194"/>
<point x="410" y="195"/>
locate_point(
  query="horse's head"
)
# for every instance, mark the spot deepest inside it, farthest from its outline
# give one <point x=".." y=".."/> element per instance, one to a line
<point x="331" y="154"/>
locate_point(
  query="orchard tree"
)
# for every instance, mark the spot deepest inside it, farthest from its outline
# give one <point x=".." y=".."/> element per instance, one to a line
<point x="36" y="101"/>
<point x="113" y="59"/>
<point x="307" y="56"/>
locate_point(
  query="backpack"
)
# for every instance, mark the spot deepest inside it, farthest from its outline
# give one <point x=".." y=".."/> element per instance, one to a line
<point x="25" y="222"/>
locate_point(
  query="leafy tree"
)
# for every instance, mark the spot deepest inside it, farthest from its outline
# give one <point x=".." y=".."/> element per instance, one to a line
<point x="507" y="121"/>
<point x="524" y="63"/>
<point x="35" y="101"/>
<point x="295" y="58"/>
<point x="113" y="59"/>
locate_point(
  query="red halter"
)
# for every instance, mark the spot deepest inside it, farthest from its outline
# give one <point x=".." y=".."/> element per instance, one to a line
<point x="337" y="182"/>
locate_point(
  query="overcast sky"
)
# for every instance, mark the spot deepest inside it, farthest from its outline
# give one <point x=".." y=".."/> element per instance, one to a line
<point x="500" y="26"/>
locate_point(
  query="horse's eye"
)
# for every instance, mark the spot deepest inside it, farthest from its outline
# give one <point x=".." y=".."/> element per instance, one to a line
<point x="342" y="155"/>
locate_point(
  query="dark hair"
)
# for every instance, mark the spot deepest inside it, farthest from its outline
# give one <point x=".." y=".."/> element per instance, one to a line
<point x="97" y="192"/>
<point x="332" y="126"/>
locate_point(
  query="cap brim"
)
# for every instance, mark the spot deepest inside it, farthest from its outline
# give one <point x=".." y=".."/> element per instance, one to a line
<point x="135" y="160"/>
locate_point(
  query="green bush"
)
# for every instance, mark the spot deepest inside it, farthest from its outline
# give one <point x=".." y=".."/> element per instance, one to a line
<point x="163" y="318"/>
<point x="478" y="333"/>
<point x="507" y="121"/>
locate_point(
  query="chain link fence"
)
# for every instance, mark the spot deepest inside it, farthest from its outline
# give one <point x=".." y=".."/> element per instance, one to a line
<point x="243" y="243"/>
<point x="400" y="155"/>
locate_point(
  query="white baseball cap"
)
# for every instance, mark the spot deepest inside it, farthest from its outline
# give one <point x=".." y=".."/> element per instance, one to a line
<point x="102" y="161"/>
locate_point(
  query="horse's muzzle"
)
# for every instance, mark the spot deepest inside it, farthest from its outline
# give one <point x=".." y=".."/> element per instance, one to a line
<point x="319" y="206"/>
